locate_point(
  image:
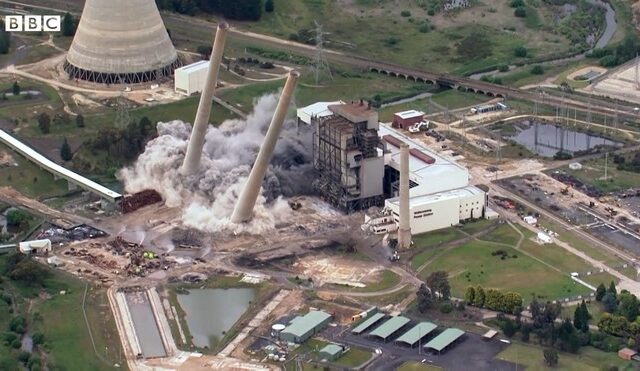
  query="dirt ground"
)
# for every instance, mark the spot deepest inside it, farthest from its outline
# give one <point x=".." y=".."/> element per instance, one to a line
<point x="338" y="270"/>
<point x="6" y="159"/>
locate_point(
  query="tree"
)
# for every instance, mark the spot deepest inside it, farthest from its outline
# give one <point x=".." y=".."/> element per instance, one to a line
<point x="600" y="291"/>
<point x="469" y="295"/>
<point x="44" y="123"/>
<point x="509" y="327"/>
<point x="65" y="151"/>
<point x="520" y="12"/>
<point x="479" y="298"/>
<point x="16" y="218"/>
<point x="537" y="70"/>
<point x="80" y="121"/>
<point x="612" y="289"/>
<point x="520" y="51"/>
<point x="15" y="89"/>
<point x="269" y="6"/>
<point x="425" y="300"/>
<point x="68" y="26"/>
<point x="438" y="282"/>
<point x="610" y="303"/>
<point x="581" y="317"/>
<point x="550" y="357"/>
<point x="628" y="306"/>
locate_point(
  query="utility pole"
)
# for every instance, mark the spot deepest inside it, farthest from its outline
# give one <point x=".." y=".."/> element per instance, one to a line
<point x="321" y="62"/>
<point x="606" y="162"/>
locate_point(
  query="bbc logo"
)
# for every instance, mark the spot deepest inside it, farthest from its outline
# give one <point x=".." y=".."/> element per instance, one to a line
<point x="32" y="23"/>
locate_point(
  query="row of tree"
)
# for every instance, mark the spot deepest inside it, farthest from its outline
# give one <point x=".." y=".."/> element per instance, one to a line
<point x="250" y="10"/>
<point x="125" y="143"/>
<point x="510" y="302"/>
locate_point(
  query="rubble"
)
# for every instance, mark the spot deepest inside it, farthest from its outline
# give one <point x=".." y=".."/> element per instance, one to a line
<point x="138" y="200"/>
<point x="573" y="182"/>
<point x="79" y="233"/>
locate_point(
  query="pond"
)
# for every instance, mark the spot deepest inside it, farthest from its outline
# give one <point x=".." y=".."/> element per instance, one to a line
<point x="551" y="139"/>
<point x="210" y="313"/>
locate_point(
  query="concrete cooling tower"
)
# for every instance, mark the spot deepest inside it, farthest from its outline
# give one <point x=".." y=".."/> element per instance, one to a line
<point x="121" y="41"/>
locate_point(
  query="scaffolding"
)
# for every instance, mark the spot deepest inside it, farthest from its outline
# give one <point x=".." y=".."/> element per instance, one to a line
<point x="121" y="78"/>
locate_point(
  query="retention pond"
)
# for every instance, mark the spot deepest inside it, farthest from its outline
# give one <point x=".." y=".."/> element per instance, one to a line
<point x="210" y="313"/>
<point x="546" y="139"/>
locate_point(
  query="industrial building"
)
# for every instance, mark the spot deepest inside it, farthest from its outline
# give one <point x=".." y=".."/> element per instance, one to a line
<point x="121" y="42"/>
<point x="189" y="80"/>
<point x="331" y="352"/>
<point x="445" y="339"/>
<point x="302" y="328"/>
<point x="417" y="333"/>
<point x="390" y="327"/>
<point x="405" y="119"/>
<point x="36" y="247"/>
<point x="357" y="160"/>
<point x="347" y="157"/>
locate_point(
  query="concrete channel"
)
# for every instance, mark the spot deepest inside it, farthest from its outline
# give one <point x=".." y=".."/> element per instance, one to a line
<point x="145" y="325"/>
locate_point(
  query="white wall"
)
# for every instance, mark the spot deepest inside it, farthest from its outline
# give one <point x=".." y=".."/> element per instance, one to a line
<point x="190" y="81"/>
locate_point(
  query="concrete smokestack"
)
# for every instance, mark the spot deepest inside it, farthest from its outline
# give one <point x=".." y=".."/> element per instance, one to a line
<point x="194" y="149"/>
<point x="243" y="211"/>
<point x="404" y="232"/>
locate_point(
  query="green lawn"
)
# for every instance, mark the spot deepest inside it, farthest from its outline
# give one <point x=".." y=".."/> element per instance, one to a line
<point x="354" y="357"/>
<point x="427" y="244"/>
<point x="39" y="52"/>
<point x="477" y="226"/>
<point x="473" y="264"/>
<point x="354" y="86"/>
<point x="586" y="360"/>
<point x="30" y="179"/>
<point x="453" y="99"/>
<point x="503" y="234"/>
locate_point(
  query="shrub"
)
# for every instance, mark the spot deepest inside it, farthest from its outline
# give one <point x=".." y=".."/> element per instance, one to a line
<point x="405" y="13"/>
<point x="520" y="12"/>
<point x="537" y="70"/>
<point x="520" y="51"/>
<point x="424" y="28"/>
<point x="431" y="12"/>
<point x="516" y="3"/>
<point x="503" y="68"/>
<point x="446" y="307"/>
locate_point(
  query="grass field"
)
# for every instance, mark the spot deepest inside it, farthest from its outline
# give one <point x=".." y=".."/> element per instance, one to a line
<point x="60" y="319"/>
<point x="468" y="39"/>
<point x="417" y="366"/>
<point x="588" y="359"/>
<point x="428" y="243"/>
<point x="386" y="279"/>
<point x="30" y="179"/>
<point x="353" y="358"/>
<point x="593" y="173"/>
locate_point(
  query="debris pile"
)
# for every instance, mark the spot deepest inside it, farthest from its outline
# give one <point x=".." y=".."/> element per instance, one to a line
<point x="79" y="233"/>
<point x="138" y="200"/>
<point x="576" y="183"/>
<point x="141" y="261"/>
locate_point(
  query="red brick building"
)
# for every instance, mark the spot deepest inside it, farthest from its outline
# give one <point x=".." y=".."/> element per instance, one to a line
<point x="405" y="119"/>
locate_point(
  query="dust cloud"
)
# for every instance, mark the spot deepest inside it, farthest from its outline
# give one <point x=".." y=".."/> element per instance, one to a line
<point x="208" y="196"/>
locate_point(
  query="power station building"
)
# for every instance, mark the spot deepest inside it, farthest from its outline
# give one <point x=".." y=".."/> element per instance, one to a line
<point x="347" y="157"/>
<point x="349" y="172"/>
<point x="121" y="42"/>
<point x="189" y="80"/>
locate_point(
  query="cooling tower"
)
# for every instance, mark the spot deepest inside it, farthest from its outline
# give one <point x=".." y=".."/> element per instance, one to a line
<point x="196" y="141"/>
<point x="243" y="211"/>
<point x="121" y="41"/>
<point x="404" y="231"/>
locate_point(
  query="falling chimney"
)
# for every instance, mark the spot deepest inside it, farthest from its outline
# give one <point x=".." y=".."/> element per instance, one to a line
<point x="196" y="142"/>
<point x="243" y="211"/>
<point x="404" y="232"/>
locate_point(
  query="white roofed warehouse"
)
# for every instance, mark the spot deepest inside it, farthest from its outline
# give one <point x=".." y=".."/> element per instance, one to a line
<point x="121" y="42"/>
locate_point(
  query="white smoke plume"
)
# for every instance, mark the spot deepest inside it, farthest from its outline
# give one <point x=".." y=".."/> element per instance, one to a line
<point x="208" y="197"/>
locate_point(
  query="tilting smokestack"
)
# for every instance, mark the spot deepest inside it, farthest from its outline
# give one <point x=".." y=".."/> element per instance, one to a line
<point x="194" y="149"/>
<point x="404" y="232"/>
<point x="243" y="211"/>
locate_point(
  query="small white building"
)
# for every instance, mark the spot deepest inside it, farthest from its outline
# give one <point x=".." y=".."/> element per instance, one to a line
<point x="191" y="79"/>
<point x="36" y="247"/>
<point x="575" y="166"/>
<point x="531" y="220"/>
<point x="544" y="238"/>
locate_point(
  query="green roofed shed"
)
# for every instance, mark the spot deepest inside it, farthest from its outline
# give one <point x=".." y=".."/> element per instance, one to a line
<point x="390" y="327"/>
<point x="445" y="339"/>
<point x="416" y="333"/>
<point x="362" y="327"/>
<point x="302" y="328"/>
<point x="331" y="352"/>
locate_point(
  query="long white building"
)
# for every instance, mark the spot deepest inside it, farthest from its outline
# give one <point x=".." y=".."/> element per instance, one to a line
<point x="191" y="79"/>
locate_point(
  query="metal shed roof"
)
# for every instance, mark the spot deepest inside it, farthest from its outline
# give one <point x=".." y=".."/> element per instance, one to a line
<point x="301" y="325"/>
<point x="419" y="331"/>
<point x="443" y="340"/>
<point x="368" y="323"/>
<point x="332" y="349"/>
<point x="389" y="327"/>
